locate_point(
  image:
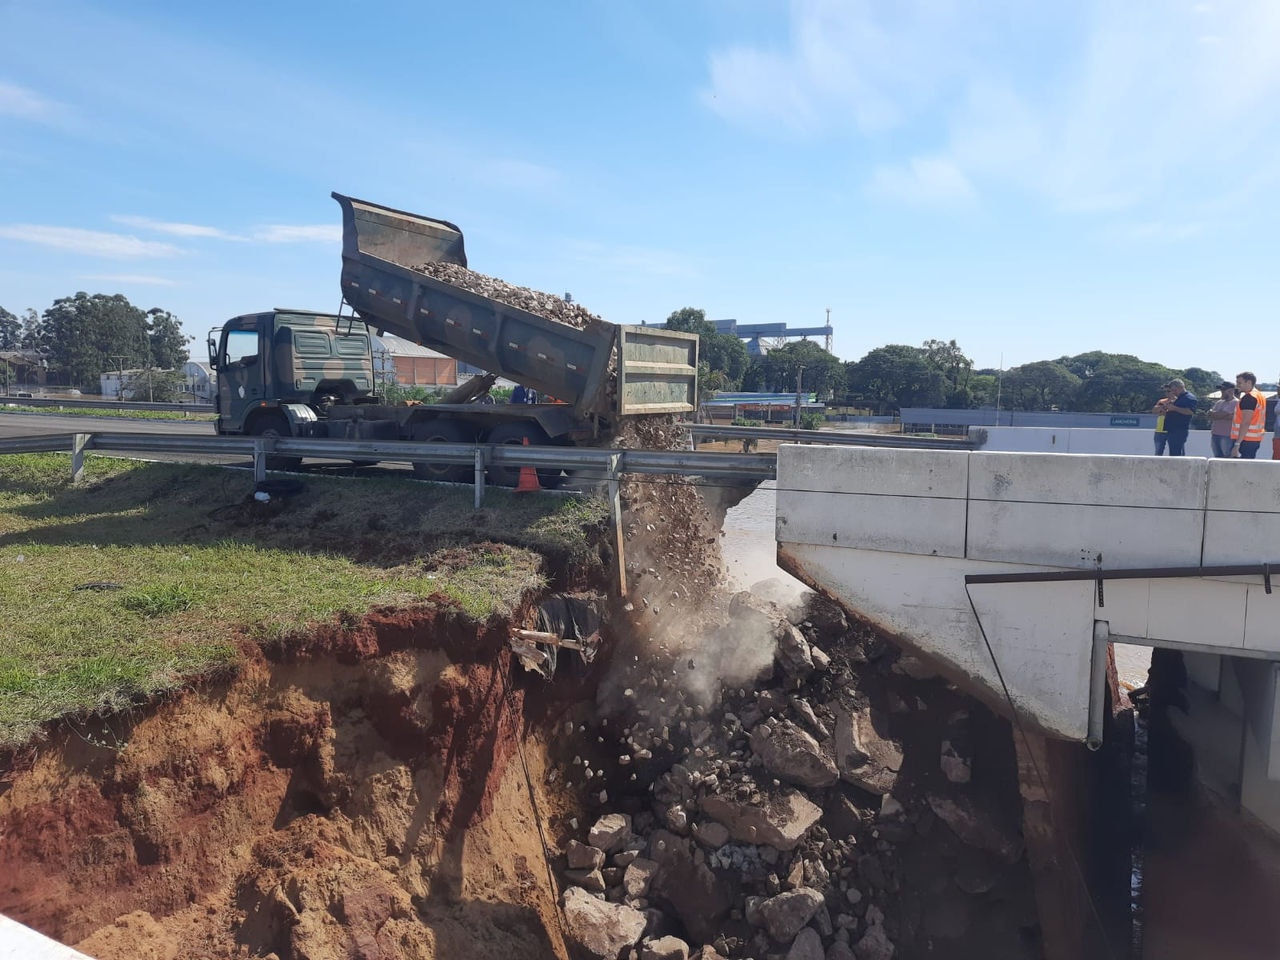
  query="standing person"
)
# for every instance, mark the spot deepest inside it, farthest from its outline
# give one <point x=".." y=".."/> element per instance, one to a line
<point x="1249" y="422"/>
<point x="1178" y="410"/>
<point x="1220" y="416"/>
<point x="1162" y="436"/>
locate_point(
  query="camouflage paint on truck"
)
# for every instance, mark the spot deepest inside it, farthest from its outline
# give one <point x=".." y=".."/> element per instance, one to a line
<point x="286" y="357"/>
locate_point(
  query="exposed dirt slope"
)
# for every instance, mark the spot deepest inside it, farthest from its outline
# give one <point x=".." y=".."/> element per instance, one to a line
<point x="366" y="802"/>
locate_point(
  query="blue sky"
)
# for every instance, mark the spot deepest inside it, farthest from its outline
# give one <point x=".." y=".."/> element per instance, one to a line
<point x="1029" y="179"/>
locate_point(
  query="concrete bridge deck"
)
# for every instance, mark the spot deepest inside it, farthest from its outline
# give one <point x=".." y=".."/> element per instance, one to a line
<point x="1014" y="571"/>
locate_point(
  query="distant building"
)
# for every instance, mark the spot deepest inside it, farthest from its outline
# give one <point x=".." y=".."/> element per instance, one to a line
<point x="200" y="383"/>
<point x="29" y="369"/>
<point x="109" y="384"/>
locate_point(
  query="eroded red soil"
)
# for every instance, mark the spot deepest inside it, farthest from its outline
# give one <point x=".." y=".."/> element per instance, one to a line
<point x="362" y="798"/>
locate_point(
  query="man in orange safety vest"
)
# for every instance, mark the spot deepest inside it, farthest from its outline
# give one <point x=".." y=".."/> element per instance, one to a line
<point x="1249" y="422"/>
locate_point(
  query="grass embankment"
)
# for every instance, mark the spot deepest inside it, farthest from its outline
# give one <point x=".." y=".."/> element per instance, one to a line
<point x="143" y="576"/>
<point x="72" y="410"/>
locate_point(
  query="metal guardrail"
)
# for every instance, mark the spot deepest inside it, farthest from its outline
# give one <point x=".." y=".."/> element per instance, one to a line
<point x="713" y="432"/>
<point x="84" y="404"/>
<point x="605" y="464"/>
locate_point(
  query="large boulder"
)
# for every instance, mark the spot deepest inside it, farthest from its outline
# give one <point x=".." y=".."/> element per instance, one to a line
<point x="866" y="755"/>
<point x="791" y="754"/>
<point x="779" y="820"/>
<point x="610" y="832"/>
<point x="807" y="946"/>
<point x="786" y="914"/>
<point x="606" y="931"/>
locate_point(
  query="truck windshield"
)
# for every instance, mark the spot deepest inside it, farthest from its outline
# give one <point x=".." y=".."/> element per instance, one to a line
<point x="241" y="344"/>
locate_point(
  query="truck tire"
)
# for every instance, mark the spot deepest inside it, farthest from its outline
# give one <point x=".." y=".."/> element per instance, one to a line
<point x="275" y="425"/>
<point x="443" y="431"/>
<point x="517" y="433"/>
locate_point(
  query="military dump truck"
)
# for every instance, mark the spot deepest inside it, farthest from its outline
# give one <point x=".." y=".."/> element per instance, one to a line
<point x="297" y="373"/>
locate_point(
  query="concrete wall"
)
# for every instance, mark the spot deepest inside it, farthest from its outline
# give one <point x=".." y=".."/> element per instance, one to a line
<point x="895" y="532"/>
<point x="1129" y="441"/>
<point x="18" y="942"/>
<point x="1260" y="760"/>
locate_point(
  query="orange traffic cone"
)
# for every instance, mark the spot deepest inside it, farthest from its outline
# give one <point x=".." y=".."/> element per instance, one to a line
<point x="528" y="477"/>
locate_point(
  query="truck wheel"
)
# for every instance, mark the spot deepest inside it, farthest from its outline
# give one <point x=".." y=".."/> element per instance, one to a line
<point x="275" y="425"/>
<point x="443" y="431"/>
<point x="517" y="433"/>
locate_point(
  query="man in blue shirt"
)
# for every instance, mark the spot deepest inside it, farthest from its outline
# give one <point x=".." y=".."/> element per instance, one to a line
<point x="1178" y="410"/>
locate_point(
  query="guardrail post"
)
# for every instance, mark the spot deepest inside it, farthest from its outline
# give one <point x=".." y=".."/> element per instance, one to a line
<point x="615" y="507"/>
<point x="78" y="444"/>
<point x="479" y="485"/>
<point x="259" y="459"/>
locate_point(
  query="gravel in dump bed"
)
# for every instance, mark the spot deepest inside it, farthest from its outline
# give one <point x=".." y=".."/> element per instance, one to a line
<point x="535" y="301"/>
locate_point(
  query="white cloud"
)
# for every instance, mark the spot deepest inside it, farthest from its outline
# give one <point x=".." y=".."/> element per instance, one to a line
<point x="26" y="104"/>
<point x="91" y="242"/>
<point x="1095" y="108"/>
<point x="860" y="63"/>
<point x="173" y="229"/>
<point x="130" y="278"/>
<point x="923" y="180"/>
<point x="283" y="233"/>
<point x="270" y="233"/>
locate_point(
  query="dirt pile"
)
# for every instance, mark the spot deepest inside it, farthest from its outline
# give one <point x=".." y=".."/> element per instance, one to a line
<point x="785" y="786"/>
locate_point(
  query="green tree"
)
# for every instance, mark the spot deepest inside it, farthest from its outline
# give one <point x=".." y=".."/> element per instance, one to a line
<point x="10" y="330"/>
<point x="983" y="388"/>
<point x="1043" y="385"/>
<point x="168" y="344"/>
<point x="30" y="325"/>
<point x="82" y="336"/>
<point x="722" y="353"/>
<point x="1117" y="382"/>
<point x="777" y="371"/>
<point x="947" y="358"/>
<point x="896" y="376"/>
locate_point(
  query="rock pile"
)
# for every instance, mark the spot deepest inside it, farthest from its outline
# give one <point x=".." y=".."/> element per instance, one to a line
<point x="543" y="304"/>
<point x="800" y="806"/>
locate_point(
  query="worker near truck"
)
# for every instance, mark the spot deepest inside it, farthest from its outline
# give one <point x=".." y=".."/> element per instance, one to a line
<point x="1249" y="422"/>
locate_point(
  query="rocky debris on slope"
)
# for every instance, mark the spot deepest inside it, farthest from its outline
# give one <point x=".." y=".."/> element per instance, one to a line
<point x="543" y="304"/>
<point x="800" y="809"/>
<point x="672" y="543"/>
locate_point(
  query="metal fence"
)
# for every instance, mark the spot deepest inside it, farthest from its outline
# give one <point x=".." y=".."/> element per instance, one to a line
<point x="603" y="464"/>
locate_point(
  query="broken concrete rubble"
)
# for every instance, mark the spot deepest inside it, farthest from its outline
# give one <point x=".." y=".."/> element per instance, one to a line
<point x="606" y="931"/>
<point x="777" y="808"/>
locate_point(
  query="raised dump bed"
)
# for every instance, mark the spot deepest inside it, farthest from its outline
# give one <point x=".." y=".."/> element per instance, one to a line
<point x="600" y="368"/>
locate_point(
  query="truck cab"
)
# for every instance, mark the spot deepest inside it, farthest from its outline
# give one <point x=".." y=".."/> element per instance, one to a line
<point x="277" y="370"/>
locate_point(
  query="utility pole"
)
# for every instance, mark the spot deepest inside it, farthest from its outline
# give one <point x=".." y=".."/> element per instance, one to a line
<point x="799" y="381"/>
<point x="120" y="376"/>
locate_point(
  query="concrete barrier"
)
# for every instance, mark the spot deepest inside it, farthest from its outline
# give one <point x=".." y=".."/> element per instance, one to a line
<point x="22" y="943"/>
